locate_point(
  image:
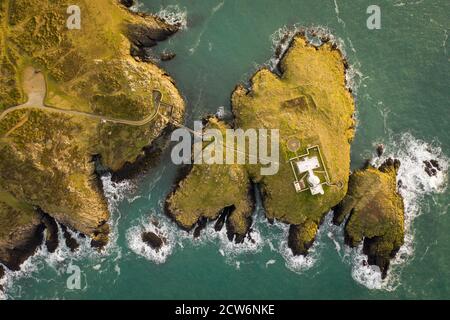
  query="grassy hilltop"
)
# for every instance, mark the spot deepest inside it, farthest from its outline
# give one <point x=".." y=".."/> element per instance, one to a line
<point x="45" y="157"/>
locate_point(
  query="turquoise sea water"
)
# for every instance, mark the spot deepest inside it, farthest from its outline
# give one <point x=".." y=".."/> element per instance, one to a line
<point x="401" y="74"/>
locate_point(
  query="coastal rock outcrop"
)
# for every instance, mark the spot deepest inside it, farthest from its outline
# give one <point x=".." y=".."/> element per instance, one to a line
<point x="301" y="237"/>
<point x="153" y="240"/>
<point x="432" y="167"/>
<point x="167" y="56"/>
<point x="20" y="235"/>
<point x="146" y="33"/>
<point x="375" y="213"/>
<point x="51" y="227"/>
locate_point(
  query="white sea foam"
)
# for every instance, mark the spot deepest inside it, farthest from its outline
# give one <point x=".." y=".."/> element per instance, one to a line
<point x="137" y="6"/>
<point x="300" y="264"/>
<point x="338" y="17"/>
<point x="116" y="192"/>
<point x="161" y="228"/>
<point x="177" y="238"/>
<point x="416" y="186"/>
<point x="270" y="262"/>
<point x="174" y="15"/>
<point x="63" y="256"/>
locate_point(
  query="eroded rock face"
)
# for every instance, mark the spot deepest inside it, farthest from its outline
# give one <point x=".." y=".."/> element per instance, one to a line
<point x="146" y="34"/>
<point x="301" y="237"/>
<point x="375" y="213"/>
<point x="20" y="235"/>
<point x="432" y="167"/>
<point x="167" y="56"/>
<point x="201" y="224"/>
<point x="51" y="241"/>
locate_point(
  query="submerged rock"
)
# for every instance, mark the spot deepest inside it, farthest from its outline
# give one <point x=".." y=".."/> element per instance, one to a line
<point x="153" y="240"/>
<point x="375" y="213"/>
<point x="166" y="56"/>
<point x="380" y="150"/>
<point x="431" y="167"/>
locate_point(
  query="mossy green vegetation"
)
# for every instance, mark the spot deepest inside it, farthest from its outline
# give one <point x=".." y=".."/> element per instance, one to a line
<point x="46" y="157"/>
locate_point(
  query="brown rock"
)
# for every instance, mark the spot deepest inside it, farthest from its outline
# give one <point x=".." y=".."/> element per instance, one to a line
<point x="71" y="242"/>
<point x="166" y="56"/>
<point x="127" y="3"/>
<point x="380" y="150"/>
<point x="153" y="240"/>
<point x="51" y="240"/>
<point x="2" y="272"/>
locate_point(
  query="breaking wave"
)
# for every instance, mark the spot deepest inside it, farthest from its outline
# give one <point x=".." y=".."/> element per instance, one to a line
<point x="174" y="15"/>
<point x="137" y="6"/>
<point x="415" y="187"/>
<point x="262" y="235"/>
<point x="177" y="238"/>
<point x="299" y="264"/>
<point x="161" y="229"/>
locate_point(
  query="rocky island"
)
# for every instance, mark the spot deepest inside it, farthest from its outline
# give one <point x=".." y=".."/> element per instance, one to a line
<point x="69" y="96"/>
<point x="310" y="104"/>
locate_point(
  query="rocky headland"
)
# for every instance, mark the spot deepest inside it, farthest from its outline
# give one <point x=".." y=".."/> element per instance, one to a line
<point x="80" y="99"/>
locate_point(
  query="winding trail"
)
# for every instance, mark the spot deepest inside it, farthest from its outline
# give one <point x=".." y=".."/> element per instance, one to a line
<point x="35" y="87"/>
